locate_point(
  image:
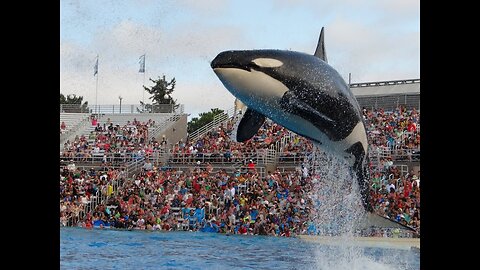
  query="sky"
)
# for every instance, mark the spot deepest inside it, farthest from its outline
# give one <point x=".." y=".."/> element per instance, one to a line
<point x="374" y="40"/>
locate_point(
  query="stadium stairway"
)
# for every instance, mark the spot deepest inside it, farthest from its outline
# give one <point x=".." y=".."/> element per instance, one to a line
<point x="74" y="122"/>
<point x="218" y="120"/>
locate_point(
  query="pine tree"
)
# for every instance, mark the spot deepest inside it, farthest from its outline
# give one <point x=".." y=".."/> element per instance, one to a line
<point x="161" y="96"/>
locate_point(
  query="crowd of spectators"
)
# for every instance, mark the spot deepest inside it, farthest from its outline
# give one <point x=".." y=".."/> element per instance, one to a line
<point x="201" y="199"/>
<point x="396" y="133"/>
<point x="211" y="199"/>
<point x="217" y="145"/>
<point x="112" y="143"/>
<point x="79" y="187"/>
<point x="397" y="196"/>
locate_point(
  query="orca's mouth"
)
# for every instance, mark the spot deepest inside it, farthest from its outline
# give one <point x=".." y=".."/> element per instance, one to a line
<point x="231" y="65"/>
<point x="232" y="59"/>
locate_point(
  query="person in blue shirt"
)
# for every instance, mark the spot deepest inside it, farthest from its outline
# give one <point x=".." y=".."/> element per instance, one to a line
<point x="210" y="227"/>
<point x="312" y="229"/>
<point x="192" y="220"/>
<point x="254" y="213"/>
<point x="199" y="214"/>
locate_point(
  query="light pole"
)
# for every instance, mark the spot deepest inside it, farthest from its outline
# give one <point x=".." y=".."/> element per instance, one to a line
<point x="120" y="98"/>
<point x="167" y="96"/>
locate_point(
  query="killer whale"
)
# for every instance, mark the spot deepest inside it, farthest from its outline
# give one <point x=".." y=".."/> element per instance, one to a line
<point x="303" y="93"/>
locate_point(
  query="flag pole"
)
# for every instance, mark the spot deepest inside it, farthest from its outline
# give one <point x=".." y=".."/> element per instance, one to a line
<point x="143" y="87"/>
<point x="96" y="87"/>
<point x="96" y="96"/>
<point x="142" y="70"/>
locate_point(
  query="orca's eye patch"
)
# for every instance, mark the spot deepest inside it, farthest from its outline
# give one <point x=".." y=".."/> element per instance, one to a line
<point x="267" y="62"/>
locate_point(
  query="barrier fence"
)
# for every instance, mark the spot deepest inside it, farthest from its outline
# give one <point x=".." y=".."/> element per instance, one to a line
<point x="125" y="108"/>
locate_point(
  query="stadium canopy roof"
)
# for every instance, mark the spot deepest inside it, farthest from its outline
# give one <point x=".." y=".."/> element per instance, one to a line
<point x="411" y="86"/>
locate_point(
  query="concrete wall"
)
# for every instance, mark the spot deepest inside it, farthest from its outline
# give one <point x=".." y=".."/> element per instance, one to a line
<point x="176" y="132"/>
<point x="412" y="165"/>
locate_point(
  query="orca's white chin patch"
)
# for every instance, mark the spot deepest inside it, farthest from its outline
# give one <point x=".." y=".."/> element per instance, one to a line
<point x="358" y="134"/>
<point x="251" y="86"/>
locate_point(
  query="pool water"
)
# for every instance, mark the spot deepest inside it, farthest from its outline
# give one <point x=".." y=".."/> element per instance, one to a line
<point x="115" y="249"/>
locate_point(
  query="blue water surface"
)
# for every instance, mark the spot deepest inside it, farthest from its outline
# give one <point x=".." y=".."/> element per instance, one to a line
<point x="113" y="249"/>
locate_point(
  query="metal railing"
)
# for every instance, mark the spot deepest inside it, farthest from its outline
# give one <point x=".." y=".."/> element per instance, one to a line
<point x="271" y="156"/>
<point x="390" y="102"/>
<point x="259" y="157"/>
<point x="286" y="139"/>
<point x="165" y="124"/>
<point x="116" y="159"/>
<point x="296" y="158"/>
<point x="134" y="166"/>
<point x="74" y="108"/>
<point x="217" y="167"/>
<point x="383" y="83"/>
<point x="288" y="169"/>
<point x="237" y="160"/>
<point x="124" y="108"/>
<point x="395" y="153"/>
<point x="388" y="178"/>
<point x="275" y="151"/>
<point x="100" y="197"/>
<point x="218" y="119"/>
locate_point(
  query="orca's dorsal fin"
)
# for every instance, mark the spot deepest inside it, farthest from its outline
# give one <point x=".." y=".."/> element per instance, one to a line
<point x="320" y="51"/>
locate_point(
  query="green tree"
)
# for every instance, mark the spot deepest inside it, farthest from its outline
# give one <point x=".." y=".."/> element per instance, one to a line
<point x="204" y="119"/>
<point x="161" y="96"/>
<point x="73" y="104"/>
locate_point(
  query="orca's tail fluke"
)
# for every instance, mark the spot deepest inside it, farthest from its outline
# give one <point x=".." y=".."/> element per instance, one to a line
<point x="374" y="220"/>
<point x="370" y="218"/>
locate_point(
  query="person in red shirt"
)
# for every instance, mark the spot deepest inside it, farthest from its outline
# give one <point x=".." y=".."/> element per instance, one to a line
<point x="242" y="230"/>
<point x="407" y="188"/>
<point x="196" y="186"/>
<point x="165" y="209"/>
<point x="94" y="121"/>
<point x="251" y="165"/>
<point x="411" y="126"/>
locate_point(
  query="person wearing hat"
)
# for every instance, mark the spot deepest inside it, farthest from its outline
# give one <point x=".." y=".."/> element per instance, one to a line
<point x="416" y="179"/>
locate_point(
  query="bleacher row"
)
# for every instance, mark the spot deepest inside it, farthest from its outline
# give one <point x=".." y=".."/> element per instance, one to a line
<point x="72" y="120"/>
<point x="91" y="146"/>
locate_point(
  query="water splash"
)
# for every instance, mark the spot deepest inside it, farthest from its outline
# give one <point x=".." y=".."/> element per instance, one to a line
<point x="337" y="211"/>
<point x="335" y="195"/>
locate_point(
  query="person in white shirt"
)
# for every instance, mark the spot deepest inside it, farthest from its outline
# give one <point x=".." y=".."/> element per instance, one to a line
<point x="148" y="165"/>
<point x="71" y="166"/>
<point x="391" y="185"/>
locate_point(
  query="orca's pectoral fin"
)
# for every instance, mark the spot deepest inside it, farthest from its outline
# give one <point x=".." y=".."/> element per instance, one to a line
<point x="248" y="125"/>
<point x="296" y="105"/>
